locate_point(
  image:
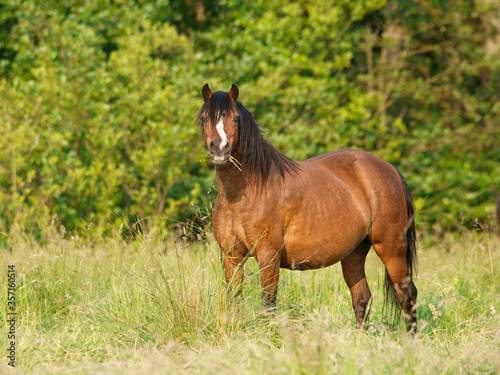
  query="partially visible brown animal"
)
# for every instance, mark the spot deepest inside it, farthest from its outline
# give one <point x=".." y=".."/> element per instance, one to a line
<point x="308" y="214"/>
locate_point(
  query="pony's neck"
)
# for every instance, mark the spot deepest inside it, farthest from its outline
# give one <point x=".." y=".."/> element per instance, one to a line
<point x="231" y="180"/>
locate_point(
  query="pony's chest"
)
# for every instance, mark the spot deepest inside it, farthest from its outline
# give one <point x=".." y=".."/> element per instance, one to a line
<point x="245" y="223"/>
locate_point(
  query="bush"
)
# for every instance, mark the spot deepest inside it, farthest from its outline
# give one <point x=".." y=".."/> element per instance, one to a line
<point x="99" y="102"/>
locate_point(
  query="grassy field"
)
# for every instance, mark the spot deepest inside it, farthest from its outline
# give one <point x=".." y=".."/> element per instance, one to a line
<point x="161" y="307"/>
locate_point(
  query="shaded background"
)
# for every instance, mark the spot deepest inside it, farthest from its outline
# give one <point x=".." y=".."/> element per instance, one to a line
<point x="98" y="102"/>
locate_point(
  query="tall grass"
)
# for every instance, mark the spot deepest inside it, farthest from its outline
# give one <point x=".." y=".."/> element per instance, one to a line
<point x="161" y="306"/>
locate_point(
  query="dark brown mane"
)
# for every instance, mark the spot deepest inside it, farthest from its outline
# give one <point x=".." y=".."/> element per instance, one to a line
<point x="258" y="155"/>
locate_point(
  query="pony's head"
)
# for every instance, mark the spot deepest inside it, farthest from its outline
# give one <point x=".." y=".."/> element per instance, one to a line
<point x="219" y="121"/>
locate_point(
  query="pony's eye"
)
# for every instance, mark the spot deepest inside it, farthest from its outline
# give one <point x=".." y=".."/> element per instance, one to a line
<point x="236" y="120"/>
<point x="203" y="120"/>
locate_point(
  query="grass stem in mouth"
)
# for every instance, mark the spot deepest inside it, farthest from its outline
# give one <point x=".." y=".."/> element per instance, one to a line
<point x="236" y="163"/>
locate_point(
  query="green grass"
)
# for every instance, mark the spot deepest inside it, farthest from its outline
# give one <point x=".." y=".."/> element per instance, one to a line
<point x="161" y="307"/>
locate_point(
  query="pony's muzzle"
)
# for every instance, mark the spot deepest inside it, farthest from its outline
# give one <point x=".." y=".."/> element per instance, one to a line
<point x="219" y="151"/>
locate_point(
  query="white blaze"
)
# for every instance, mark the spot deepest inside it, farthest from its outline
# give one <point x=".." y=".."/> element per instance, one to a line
<point x="222" y="133"/>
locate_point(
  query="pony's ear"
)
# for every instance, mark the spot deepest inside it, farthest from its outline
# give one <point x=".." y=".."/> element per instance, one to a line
<point x="207" y="93"/>
<point x="233" y="93"/>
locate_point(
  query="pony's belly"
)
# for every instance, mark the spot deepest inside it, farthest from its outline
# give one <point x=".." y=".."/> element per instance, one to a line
<point x="313" y="256"/>
<point x="307" y="263"/>
<point x="323" y="243"/>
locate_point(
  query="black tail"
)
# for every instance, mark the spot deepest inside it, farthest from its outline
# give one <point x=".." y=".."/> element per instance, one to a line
<point x="391" y="297"/>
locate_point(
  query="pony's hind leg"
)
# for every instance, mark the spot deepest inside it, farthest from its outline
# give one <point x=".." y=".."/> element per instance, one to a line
<point x="401" y="281"/>
<point x="353" y="268"/>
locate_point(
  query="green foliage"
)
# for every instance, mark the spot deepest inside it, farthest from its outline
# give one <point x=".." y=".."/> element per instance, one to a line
<point x="98" y="101"/>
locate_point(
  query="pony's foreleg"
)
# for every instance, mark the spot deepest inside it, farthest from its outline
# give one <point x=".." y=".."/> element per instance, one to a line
<point x="233" y="263"/>
<point x="269" y="266"/>
<point x="353" y="268"/>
